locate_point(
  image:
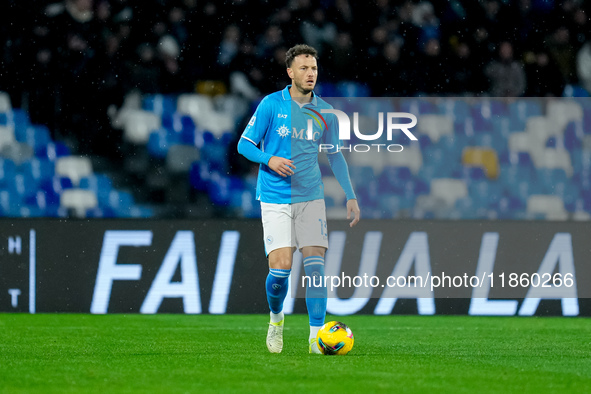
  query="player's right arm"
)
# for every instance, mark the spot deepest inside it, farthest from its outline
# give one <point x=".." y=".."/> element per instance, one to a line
<point x="254" y="134"/>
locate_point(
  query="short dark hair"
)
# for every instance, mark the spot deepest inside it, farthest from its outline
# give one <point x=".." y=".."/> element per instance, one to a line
<point x="300" y="49"/>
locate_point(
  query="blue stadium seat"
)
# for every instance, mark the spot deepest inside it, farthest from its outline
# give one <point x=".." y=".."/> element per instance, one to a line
<point x="390" y="205"/>
<point x="9" y="202"/>
<point x="44" y="200"/>
<point x="36" y="136"/>
<point x="485" y="193"/>
<point x="199" y="175"/>
<point x="52" y="151"/>
<point x="120" y="202"/>
<point x="100" y="184"/>
<point x="393" y="179"/>
<point x="508" y="207"/>
<point x="104" y="212"/>
<point x="17" y="118"/>
<point x="159" y="104"/>
<point x="470" y="173"/>
<point x="7" y="171"/>
<point x="458" y="109"/>
<point x="38" y="169"/>
<point x="221" y="188"/>
<point x="520" y="110"/>
<point x="159" y="143"/>
<point x="56" y="184"/>
<point x="214" y="153"/>
<point x="141" y="212"/>
<point x="361" y="176"/>
<point x="572" y="136"/>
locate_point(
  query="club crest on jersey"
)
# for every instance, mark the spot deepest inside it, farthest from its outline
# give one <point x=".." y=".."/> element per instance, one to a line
<point x="283" y="131"/>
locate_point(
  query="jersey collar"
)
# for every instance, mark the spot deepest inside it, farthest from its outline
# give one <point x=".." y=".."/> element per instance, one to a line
<point x="286" y="96"/>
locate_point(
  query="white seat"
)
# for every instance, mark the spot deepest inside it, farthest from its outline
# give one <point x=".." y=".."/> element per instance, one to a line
<point x="216" y="123"/>
<point x="554" y="158"/>
<point x="563" y="111"/>
<point x="73" y="167"/>
<point x="79" y="200"/>
<point x="521" y="142"/>
<point x="194" y="105"/>
<point x="410" y="157"/>
<point x="449" y="189"/>
<point x="201" y="109"/>
<point x="551" y="206"/>
<point x="5" y="105"/>
<point x="435" y="126"/>
<point x="138" y="125"/>
<point x="6" y="136"/>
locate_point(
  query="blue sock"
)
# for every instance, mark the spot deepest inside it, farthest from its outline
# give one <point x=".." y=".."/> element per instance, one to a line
<point x="277" y="285"/>
<point x="315" y="295"/>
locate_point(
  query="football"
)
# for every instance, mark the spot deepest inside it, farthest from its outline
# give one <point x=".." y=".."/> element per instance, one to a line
<point x="335" y="338"/>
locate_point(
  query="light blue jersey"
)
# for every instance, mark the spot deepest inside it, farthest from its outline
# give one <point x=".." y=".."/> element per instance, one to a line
<point x="281" y="126"/>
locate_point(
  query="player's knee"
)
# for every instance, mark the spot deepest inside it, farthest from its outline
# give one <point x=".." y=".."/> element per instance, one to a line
<point x="308" y="251"/>
<point x="281" y="259"/>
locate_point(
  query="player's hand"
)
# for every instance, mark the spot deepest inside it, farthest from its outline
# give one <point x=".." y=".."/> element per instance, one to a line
<point x="283" y="167"/>
<point x="352" y="206"/>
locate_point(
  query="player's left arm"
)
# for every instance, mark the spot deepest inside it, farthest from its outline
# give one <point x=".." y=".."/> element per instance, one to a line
<point x="340" y="169"/>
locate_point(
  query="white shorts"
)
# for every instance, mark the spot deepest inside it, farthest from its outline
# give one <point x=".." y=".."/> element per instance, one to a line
<point x="294" y="225"/>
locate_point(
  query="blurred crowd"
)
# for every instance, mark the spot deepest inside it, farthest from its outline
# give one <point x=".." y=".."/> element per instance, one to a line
<point x="68" y="61"/>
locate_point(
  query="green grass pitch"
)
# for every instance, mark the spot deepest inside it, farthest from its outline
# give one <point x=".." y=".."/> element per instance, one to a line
<point x="205" y="353"/>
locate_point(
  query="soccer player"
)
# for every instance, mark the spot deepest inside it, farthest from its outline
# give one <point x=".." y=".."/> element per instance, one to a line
<point x="284" y="136"/>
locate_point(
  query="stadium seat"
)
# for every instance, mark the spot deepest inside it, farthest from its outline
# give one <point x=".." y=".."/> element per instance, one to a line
<point x="6" y="136"/>
<point x="7" y="171"/>
<point x="36" y="136"/>
<point x="410" y="157"/>
<point x="5" y="105"/>
<point x="551" y="206"/>
<point x="449" y="190"/>
<point x="435" y="126"/>
<point x="554" y="158"/>
<point x="78" y="200"/>
<point x="360" y="175"/>
<point x="159" y="104"/>
<point x="100" y="184"/>
<point x="520" y="110"/>
<point x="121" y="202"/>
<point x="138" y="125"/>
<point x="73" y="167"/>
<point x="52" y="151"/>
<point x="159" y="143"/>
<point x="562" y="111"/>
<point x="484" y="158"/>
<point x="179" y="158"/>
<point x="457" y="109"/>
<point x="221" y="188"/>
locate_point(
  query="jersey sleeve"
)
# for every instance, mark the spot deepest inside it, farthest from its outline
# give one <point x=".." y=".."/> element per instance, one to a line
<point x="259" y="122"/>
<point x="331" y="136"/>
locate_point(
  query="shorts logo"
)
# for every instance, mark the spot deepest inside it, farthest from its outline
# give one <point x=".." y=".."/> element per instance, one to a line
<point x="276" y="286"/>
<point x="251" y="123"/>
<point x="269" y="239"/>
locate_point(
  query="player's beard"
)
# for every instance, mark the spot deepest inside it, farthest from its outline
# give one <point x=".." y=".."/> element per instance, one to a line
<point x="302" y="89"/>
